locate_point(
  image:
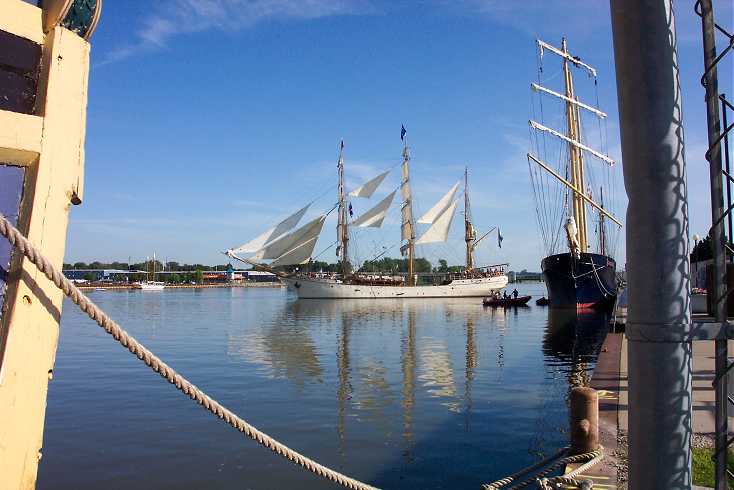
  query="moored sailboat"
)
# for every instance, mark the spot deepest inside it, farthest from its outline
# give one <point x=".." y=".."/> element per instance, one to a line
<point x="150" y="284"/>
<point x="284" y="247"/>
<point x="578" y="277"/>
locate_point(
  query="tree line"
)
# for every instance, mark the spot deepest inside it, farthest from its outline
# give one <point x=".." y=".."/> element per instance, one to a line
<point x="146" y="266"/>
<point x="384" y="265"/>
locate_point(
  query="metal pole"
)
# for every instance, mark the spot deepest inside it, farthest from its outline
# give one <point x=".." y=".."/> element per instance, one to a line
<point x="718" y="291"/>
<point x="659" y="355"/>
<point x="730" y="238"/>
<point x="696" y="238"/>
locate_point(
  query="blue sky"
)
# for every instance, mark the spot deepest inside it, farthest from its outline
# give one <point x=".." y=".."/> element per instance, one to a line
<point x="210" y="120"/>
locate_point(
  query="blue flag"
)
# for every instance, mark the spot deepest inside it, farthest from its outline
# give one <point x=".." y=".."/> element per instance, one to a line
<point x="499" y="238"/>
<point x="351" y="211"/>
<point x="402" y="132"/>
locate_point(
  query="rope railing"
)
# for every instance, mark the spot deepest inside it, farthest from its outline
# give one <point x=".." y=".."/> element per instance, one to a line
<point x="24" y="246"/>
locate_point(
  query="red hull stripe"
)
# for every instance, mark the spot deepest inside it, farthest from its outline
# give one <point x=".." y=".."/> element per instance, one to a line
<point x="584" y="306"/>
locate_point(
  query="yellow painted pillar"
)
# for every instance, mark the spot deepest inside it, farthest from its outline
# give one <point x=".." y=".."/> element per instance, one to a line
<point x="49" y="143"/>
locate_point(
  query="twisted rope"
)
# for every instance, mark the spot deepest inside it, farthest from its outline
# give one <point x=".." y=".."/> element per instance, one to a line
<point x="591" y="459"/>
<point x="570" y="478"/>
<point x="156" y="364"/>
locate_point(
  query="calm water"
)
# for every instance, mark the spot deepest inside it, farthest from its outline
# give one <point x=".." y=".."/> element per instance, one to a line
<point x="401" y="394"/>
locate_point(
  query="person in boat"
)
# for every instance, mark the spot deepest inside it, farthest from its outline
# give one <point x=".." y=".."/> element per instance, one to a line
<point x="515" y="293"/>
<point x="505" y="295"/>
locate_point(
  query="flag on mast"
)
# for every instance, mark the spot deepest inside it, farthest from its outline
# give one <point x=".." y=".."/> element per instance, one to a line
<point x="499" y="238"/>
<point x="402" y="132"/>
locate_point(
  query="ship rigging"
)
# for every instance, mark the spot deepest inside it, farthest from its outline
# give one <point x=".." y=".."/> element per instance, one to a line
<point x="563" y="194"/>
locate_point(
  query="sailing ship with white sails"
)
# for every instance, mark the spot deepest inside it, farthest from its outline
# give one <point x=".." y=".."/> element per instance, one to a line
<point x="576" y="277"/>
<point x="285" y="247"/>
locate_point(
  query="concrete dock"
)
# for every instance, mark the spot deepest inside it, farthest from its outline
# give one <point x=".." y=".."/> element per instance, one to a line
<point x="610" y="379"/>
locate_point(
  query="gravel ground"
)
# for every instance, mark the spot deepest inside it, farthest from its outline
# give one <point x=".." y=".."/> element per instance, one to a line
<point x="620" y="459"/>
<point x="703" y="440"/>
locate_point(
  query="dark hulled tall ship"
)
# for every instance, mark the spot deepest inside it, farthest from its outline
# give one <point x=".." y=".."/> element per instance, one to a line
<point x="575" y="276"/>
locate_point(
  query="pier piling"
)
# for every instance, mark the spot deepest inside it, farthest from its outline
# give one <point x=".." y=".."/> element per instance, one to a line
<point x="658" y="321"/>
<point x="584" y="414"/>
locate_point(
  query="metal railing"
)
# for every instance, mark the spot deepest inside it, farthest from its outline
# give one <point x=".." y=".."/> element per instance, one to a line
<point x="717" y="108"/>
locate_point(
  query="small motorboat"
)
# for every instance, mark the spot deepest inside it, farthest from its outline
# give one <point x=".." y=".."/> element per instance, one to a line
<point x="505" y="302"/>
<point x="542" y="301"/>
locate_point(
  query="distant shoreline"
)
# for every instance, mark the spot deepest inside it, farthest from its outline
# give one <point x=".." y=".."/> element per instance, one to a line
<point x="88" y="287"/>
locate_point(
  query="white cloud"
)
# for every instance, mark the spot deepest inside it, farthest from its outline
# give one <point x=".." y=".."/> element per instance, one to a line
<point x="177" y="17"/>
<point x="548" y="17"/>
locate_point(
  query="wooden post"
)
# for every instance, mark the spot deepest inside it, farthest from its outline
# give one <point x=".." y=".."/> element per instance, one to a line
<point x="584" y="418"/>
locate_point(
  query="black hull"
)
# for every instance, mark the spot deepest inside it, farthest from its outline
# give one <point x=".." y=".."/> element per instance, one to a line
<point x="588" y="282"/>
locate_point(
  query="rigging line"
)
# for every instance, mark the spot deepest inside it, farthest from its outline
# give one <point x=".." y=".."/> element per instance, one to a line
<point x="544" y="198"/>
<point x="535" y="185"/>
<point x="598" y="279"/>
<point x="561" y="196"/>
<point x="565" y="150"/>
<point x="546" y="203"/>
<point x="542" y="114"/>
<point x="324" y="251"/>
<point x="596" y="93"/>
<point x="554" y="206"/>
<point x="535" y="199"/>
<point x="557" y="208"/>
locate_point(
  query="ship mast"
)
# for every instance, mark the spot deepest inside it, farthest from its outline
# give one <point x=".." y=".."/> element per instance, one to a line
<point x="342" y="230"/>
<point x="576" y="157"/>
<point x="602" y="234"/>
<point x="578" y="237"/>
<point x="469" y="234"/>
<point x="407" y="229"/>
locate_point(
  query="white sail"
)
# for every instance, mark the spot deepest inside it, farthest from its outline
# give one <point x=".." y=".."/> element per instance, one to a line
<point x="437" y="210"/>
<point x="282" y="245"/>
<point x="299" y="254"/>
<point x="273" y="233"/>
<point x="369" y="187"/>
<point x="375" y="216"/>
<point x="439" y="230"/>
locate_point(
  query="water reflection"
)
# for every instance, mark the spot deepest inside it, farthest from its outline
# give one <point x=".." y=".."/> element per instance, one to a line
<point x="572" y="342"/>
<point x="393" y="361"/>
<point x="470" y="364"/>
<point x="399" y="393"/>
<point x="344" y="391"/>
<point x="282" y="348"/>
<point x="407" y="366"/>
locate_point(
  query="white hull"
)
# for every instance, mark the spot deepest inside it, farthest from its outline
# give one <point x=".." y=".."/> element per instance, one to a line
<point x="150" y="286"/>
<point x="329" y="289"/>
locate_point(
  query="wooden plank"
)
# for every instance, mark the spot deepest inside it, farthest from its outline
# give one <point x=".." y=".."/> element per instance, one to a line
<point x="22" y="19"/>
<point x="22" y="134"/>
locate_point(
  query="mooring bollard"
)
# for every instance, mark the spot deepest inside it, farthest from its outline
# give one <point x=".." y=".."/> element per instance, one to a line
<point x="584" y="415"/>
